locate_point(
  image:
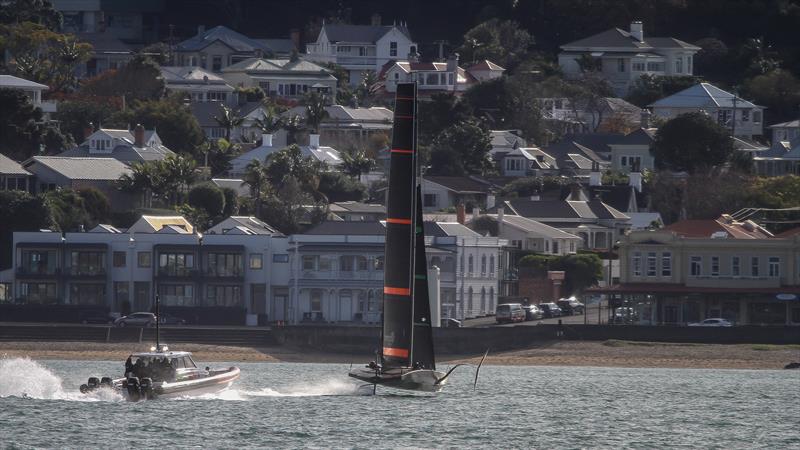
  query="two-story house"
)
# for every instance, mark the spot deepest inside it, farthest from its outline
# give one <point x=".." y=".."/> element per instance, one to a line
<point x="126" y="146"/>
<point x="220" y="47"/>
<point x="230" y="275"/>
<point x="785" y="132"/>
<point x="314" y="150"/>
<point x="698" y="269"/>
<point x="525" y="162"/>
<point x="197" y="84"/>
<point x="361" y="48"/>
<point x="742" y="117"/>
<point x="531" y="236"/>
<point x="289" y="78"/>
<point x="433" y="77"/>
<point x="621" y="57"/>
<point x="444" y="192"/>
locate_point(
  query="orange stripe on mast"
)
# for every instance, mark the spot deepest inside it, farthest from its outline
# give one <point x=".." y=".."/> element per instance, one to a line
<point x="399" y="221"/>
<point x="396" y="291"/>
<point x="396" y="352"/>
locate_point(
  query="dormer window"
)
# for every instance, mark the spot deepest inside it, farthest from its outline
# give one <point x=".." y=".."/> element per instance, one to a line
<point x="392" y="48"/>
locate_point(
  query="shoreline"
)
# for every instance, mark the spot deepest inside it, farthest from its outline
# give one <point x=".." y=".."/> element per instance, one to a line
<point x="557" y="353"/>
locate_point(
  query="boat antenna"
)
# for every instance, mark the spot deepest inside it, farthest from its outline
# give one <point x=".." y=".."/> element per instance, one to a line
<point x="158" y="319"/>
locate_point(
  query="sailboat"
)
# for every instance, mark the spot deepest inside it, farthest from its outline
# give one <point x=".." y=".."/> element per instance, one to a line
<point x="406" y="358"/>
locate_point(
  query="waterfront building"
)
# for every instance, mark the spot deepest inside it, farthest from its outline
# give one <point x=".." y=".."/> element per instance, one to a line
<point x="698" y="269"/>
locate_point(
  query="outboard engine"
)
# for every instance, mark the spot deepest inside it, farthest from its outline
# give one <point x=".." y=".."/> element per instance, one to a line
<point x="107" y="382"/>
<point x="133" y="388"/>
<point x="146" y="388"/>
<point x="84" y="388"/>
<point x="93" y="383"/>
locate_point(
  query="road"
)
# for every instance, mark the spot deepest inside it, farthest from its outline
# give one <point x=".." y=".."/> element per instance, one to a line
<point x="590" y="318"/>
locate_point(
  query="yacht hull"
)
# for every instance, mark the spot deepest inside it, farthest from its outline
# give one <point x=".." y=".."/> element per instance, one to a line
<point x="424" y="380"/>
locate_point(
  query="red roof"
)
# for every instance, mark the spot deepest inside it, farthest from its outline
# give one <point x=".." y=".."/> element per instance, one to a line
<point x="789" y="233"/>
<point x="671" y="288"/>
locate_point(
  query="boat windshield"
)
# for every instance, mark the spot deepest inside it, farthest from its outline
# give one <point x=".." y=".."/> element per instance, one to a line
<point x="183" y="362"/>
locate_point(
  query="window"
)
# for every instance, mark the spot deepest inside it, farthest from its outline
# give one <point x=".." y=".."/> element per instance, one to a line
<point x="651" y="264"/>
<point x="143" y="259"/>
<point x="471" y="265"/>
<point x="513" y="164"/>
<point x="223" y="295"/>
<point x="696" y="266"/>
<point x="87" y="263"/>
<point x="679" y="65"/>
<point x="39" y="293"/>
<point x="392" y="48"/>
<point x="774" y="267"/>
<point x="280" y="258"/>
<point x="429" y="200"/>
<point x="256" y="260"/>
<point x="450" y="79"/>
<point x="736" y="267"/>
<point x="176" y="294"/>
<point x="637" y="264"/>
<point x="316" y="300"/>
<point x="216" y="63"/>
<point x="666" y="264"/>
<point x="87" y="294"/>
<point x="724" y="116"/>
<point x="483" y="265"/>
<point x="638" y="67"/>
<point x="756" y="116"/>
<point x="745" y="115"/>
<point x="378" y="263"/>
<point x="623" y="161"/>
<point x="689" y="65"/>
<point x="432" y="79"/>
<point x="621" y="64"/>
<point x="346" y="263"/>
<point x="715" y="266"/>
<point x="309" y="262"/>
<point x="754" y="266"/>
<point x="491" y="265"/>
<point x="175" y="264"/>
<point x="326" y="263"/>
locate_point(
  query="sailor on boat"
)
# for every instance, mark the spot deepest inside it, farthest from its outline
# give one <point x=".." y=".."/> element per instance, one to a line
<point x="406" y="358"/>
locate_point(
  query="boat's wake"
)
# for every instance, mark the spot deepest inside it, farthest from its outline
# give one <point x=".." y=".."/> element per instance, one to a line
<point x="326" y="388"/>
<point x="25" y="378"/>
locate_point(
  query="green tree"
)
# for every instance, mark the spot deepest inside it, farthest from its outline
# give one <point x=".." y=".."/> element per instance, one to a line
<point x="20" y="211"/>
<point x="501" y="41"/>
<point x="315" y="111"/>
<point x="229" y="119"/>
<point x="23" y="132"/>
<point x="580" y="271"/>
<point x="76" y="114"/>
<point x="293" y="125"/>
<point x="218" y="155"/>
<point x="231" y="202"/>
<point x="176" y="125"/>
<point x="178" y="173"/>
<point x="68" y="209"/>
<point x="40" y="12"/>
<point x="140" y="79"/>
<point x="462" y="149"/>
<point x="144" y="180"/>
<point x="210" y="199"/>
<point x="338" y="187"/>
<point x="356" y="162"/>
<point x="777" y="90"/>
<point x="649" y="88"/>
<point x="96" y="204"/>
<point x="692" y="142"/>
<point x="442" y="111"/>
<point x="269" y="122"/>
<point x="289" y="163"/>
<point x="255" y="176"/>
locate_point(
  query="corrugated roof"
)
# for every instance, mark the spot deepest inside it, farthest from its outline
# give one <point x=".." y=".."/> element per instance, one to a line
<point x="82" y="168"/>
<point x="360" y="33"/>
<point x="560" y="209"/>
<point x="532" y="226"/>
<point x="232" y="39"/>
<point x="357" y="228"/>
<point x="358" y="207"/>
<point x="485" y="65"/>
<point x="10" y="167"/>
<point x="702" y="95"/>
<point x="621" y="39"/>
<point x="445" y="229"/>
<point x="460" y="184"/>
<point x="790" y="124"/>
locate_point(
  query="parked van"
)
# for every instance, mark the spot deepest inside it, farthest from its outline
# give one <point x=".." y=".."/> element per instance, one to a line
<point x="509" y="312"/>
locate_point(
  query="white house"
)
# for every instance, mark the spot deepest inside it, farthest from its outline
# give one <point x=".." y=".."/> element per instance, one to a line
<point x="624" y="56"/>
<point x="529" y="235"/>
<point x="30" y="88"/>
<point x="432" y="77"/>
<point x="531" y="161"/>
<point x="282" y="78"/>
<point x="742" y="117"/>
<point x="785" y="132"/>
<point x="328" y="155"/>
<point x="220" y="47"/>
<point x="360" y="48"/>
<point x="123" y="145"/>
<point x="199" y="84"/>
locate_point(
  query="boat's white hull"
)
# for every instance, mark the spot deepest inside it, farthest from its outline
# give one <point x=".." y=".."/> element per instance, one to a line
<point x="217" y="382"/>
<point x="413" y="380"/>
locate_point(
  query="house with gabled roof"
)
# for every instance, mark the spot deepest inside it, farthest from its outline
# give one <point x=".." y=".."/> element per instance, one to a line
<point x="624" y="56"/>
<point x="286" y="78"/>
<point x="14" y="177"/>
<point x="220" y="47"/>
<point x="529" y="235"/>
<point x="328" y="155"/>
<point x="206" y="112"/>
<point x="357" y="211"/>
<point x="433" y="77"/>
<point x="742" y="117"/>
<point x="126" y="146"/>
<point x="530" y="161"/>
<point x="785" y="132"/>
<point x="360" y="48"/>
<point x="31" y="89"/>
<point x="442" y="192"/>
<point x="198" y="84"/>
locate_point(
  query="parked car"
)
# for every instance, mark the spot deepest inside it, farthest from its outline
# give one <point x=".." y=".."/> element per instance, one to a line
<point x="571" y="306"/>
<point x="169" y="319"/>
<point x="138" y="319"/>
<point x="713" y="322"/>
<point x="509" y="313"/>
<point x="550" y="310"/>
<point x="625" y="315"/>
<point x="451" y="323"/>
<point x="532" y="312"/>
<point x="96" y="317"/>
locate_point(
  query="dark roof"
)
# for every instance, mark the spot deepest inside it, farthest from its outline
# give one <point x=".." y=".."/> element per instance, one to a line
<point x="618" y="38"/>
<point x="618" y="197"/>
<point x="232" y="39"/>
<point x="559" y="209"/>
<point x="641" y="136"/>
<point x="360" y="33"/>
<point x="460" y="184"/>
<point x="333" y="227"/>
<point x="204" y="112"/>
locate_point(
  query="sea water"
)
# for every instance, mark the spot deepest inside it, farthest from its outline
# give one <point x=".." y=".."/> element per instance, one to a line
<point x="317" y="405"/>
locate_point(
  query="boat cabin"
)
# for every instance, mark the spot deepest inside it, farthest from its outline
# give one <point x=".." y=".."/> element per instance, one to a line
<point x="159" y="366"/>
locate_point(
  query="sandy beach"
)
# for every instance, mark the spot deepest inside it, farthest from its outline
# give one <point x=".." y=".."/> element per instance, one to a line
<point x="561" y="353"/>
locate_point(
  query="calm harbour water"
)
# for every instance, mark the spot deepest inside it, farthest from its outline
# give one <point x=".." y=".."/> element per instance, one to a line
<point x="316" y="405"/>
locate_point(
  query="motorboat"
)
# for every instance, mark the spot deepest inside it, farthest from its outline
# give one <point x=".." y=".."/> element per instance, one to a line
<point x="161" y="373"/>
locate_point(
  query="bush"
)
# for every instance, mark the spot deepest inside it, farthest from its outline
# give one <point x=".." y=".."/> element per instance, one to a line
<point x="208" y="198"/>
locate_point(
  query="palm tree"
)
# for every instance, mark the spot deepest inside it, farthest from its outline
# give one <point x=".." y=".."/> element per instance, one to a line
<point x="355" y="162"/>
<point x="270" y="122"/>
<point x="315" y="111"/>
<point x="144" y="180"/>
<point x="292" y="125"/>
<point x="255" y="176"/>
<point x="229" y="120"/>
<point x="367" y="88"/>
<point x="179" y="173"/>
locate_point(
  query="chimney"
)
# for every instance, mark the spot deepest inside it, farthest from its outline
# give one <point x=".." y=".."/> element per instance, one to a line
<point x="201" y="29"/>
<point x="637" y="30"/>
<point x="461" y="214"/>
<point x="413" y="57"/>
<point x="88" y="130"/>
<point x="476" y="212"/>
<point x="294" y="35"/>
<point x="375" y="20"/>
<point x="313" y="140"/>
<point x="595" y="176"/>
<point x="575" y="192"/>
<point x="138" y="136"/>
<point x="266" y="140"/>
<point x="490" y="199"/>
<point x="500" y="213"/>
<point x="635" y="180"/>
<point x="452" y="62"/>
<point x="645" y="118"/>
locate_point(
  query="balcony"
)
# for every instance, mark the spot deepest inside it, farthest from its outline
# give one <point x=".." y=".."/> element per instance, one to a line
<point x="228" y="273"/>
<point x="733" y="282"/>
<point x="37" y="272"/>
<point x="88" y="271"/>
<point x="360" y="61"/>
<point x="177" y="272"/>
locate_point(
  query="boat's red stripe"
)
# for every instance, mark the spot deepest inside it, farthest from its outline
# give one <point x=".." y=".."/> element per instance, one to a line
<point x="396" y="291"/>
<point x="396" y="352"/>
